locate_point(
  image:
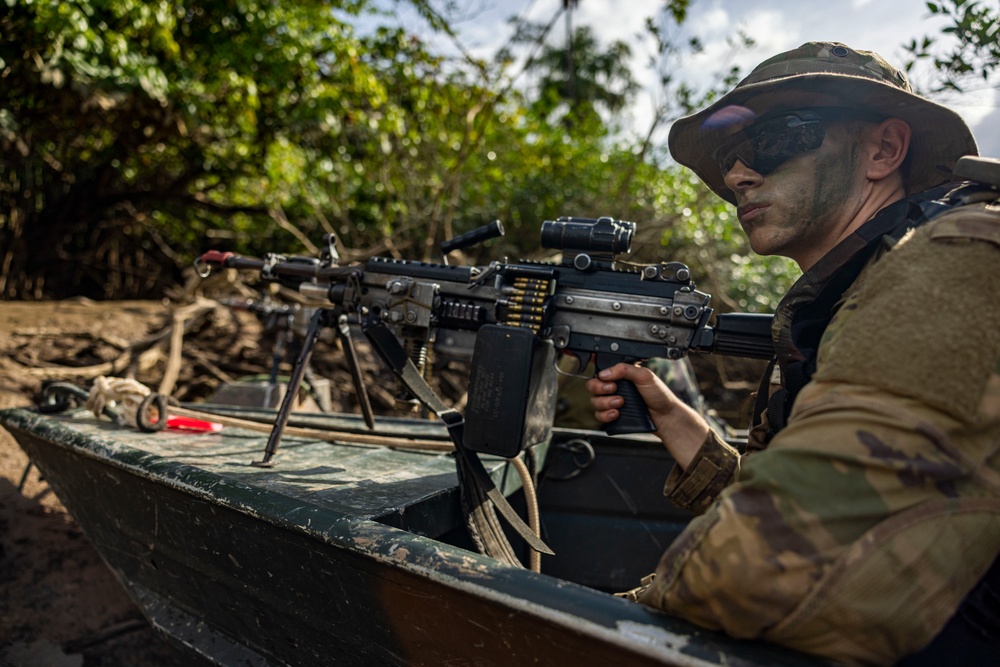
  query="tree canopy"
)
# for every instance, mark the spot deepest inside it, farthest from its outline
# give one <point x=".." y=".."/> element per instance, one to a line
<point x="139" y="134"/>
<point x="968" y="50"/>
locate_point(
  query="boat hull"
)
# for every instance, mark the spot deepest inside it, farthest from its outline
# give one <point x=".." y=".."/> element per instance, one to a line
<point x="274" y="567"/>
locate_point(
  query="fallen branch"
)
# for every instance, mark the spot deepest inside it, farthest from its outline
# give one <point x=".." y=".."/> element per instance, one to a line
<point x="145" y="361"/>
<point x="207" y="364"/>
<point x="138" y="357"/>
<point x="51" y="332"/>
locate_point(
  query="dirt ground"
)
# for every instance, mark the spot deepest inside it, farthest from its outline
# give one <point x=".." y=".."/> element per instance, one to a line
<point x="61" y="606"/>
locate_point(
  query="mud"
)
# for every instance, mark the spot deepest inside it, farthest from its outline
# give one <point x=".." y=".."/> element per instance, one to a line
<point x="61" y="606"/>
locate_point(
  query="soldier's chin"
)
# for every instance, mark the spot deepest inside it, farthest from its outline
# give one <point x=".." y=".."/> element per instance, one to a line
<point x="761" y="242"/>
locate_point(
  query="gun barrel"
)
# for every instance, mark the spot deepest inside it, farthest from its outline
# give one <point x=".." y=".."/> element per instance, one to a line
<point x="743" y="335"/>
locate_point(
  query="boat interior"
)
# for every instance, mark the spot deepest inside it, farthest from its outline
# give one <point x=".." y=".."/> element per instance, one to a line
<point x="600" y="498"/>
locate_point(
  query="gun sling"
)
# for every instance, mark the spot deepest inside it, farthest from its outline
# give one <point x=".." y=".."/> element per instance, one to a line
<point x="474" y="481"/>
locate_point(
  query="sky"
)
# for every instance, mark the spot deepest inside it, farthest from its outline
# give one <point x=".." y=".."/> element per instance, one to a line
<point x="775" y="25"/>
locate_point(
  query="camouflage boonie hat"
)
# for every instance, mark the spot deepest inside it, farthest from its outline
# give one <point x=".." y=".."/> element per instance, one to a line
<point x="863" y="79"/>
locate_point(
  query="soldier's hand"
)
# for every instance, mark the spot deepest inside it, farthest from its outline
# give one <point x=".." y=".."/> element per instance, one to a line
<point x="604" y="391"/>
<point x="678" y="425"/>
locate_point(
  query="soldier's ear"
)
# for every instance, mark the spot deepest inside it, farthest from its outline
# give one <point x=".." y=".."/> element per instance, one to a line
<point x="885" y="147"/>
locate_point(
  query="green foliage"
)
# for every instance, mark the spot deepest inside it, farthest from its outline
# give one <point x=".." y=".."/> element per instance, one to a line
<point x="136" y="128"/>
<point x="706" y="233"/>
<point x="577" y="78"/>
<point x="139" y="134"/>
<point x="972" y="44"/>
<point x="692" y="224"/>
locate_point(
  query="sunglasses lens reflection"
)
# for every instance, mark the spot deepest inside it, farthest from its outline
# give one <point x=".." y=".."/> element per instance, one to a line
<point x="764" y="146"/>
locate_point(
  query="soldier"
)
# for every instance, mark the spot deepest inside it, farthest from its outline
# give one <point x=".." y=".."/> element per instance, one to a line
<point x="862" y="522"/>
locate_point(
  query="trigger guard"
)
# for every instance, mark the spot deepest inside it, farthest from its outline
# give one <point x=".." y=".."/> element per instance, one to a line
<point x="581" y="365"/>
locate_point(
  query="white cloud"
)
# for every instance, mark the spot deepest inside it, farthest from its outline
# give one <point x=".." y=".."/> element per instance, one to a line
<point x="771" y="31"/>
<point x="611" y="20"/>
<point x="774" y="31"/>
<point x="984" y="119"/>
<point x="775" y="25"/>
<point x="712" y="23"/>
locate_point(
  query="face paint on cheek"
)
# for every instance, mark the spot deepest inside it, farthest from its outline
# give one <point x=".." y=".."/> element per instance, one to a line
<point x="834" y="187"/>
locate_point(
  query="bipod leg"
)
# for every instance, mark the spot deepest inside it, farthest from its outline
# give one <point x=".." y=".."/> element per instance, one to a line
<point x="322" y="401"/>
<point x="316" y="325"/>
<point x="277" y="355"/>
<point x="354" y="366"/>
<point x="24" y="477"/>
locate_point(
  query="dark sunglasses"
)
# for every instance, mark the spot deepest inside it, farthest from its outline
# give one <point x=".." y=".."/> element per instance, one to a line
<point x="774" y="139"/>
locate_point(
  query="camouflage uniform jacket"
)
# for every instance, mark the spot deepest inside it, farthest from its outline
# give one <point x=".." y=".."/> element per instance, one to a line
<point x="859" y="528"/>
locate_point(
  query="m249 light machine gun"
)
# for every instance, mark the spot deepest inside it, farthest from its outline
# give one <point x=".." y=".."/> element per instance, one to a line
<point x="510" y="319"/>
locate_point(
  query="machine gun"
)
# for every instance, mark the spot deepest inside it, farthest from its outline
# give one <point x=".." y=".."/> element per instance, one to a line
<point x="510" y="319"/>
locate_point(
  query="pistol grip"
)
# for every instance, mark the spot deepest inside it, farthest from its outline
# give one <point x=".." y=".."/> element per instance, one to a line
<point x="633" y="416"/>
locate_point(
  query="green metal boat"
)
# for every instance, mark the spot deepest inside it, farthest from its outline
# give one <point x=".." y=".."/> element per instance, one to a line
<point x="357" y="554"/>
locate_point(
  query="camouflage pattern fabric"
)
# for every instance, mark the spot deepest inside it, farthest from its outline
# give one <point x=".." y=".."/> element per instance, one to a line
<point x="691" y="489"/>
<point x="836" y="56"/>
<point x="864" y="523"/>
<point x="714" y="467"/>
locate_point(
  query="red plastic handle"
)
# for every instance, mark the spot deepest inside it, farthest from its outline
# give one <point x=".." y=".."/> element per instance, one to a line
<point x="191" y="424"/>
<point x="215" y="257"/>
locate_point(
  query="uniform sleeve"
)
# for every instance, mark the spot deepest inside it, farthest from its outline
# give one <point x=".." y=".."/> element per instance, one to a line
<point x="714" y="466"/>
<point x="859" y="530"/>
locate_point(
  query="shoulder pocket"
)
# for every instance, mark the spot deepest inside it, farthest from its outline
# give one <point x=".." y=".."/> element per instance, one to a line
<point x="975" y="222"/>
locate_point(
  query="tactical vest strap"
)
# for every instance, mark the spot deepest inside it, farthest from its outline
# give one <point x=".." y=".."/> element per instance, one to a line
<point x="763" y="394"/>
<point x="811" y="319"/>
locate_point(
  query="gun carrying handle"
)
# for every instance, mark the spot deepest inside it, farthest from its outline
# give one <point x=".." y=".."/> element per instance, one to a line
<point x="633" y="416"/>
<point x="477" y="235"/>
